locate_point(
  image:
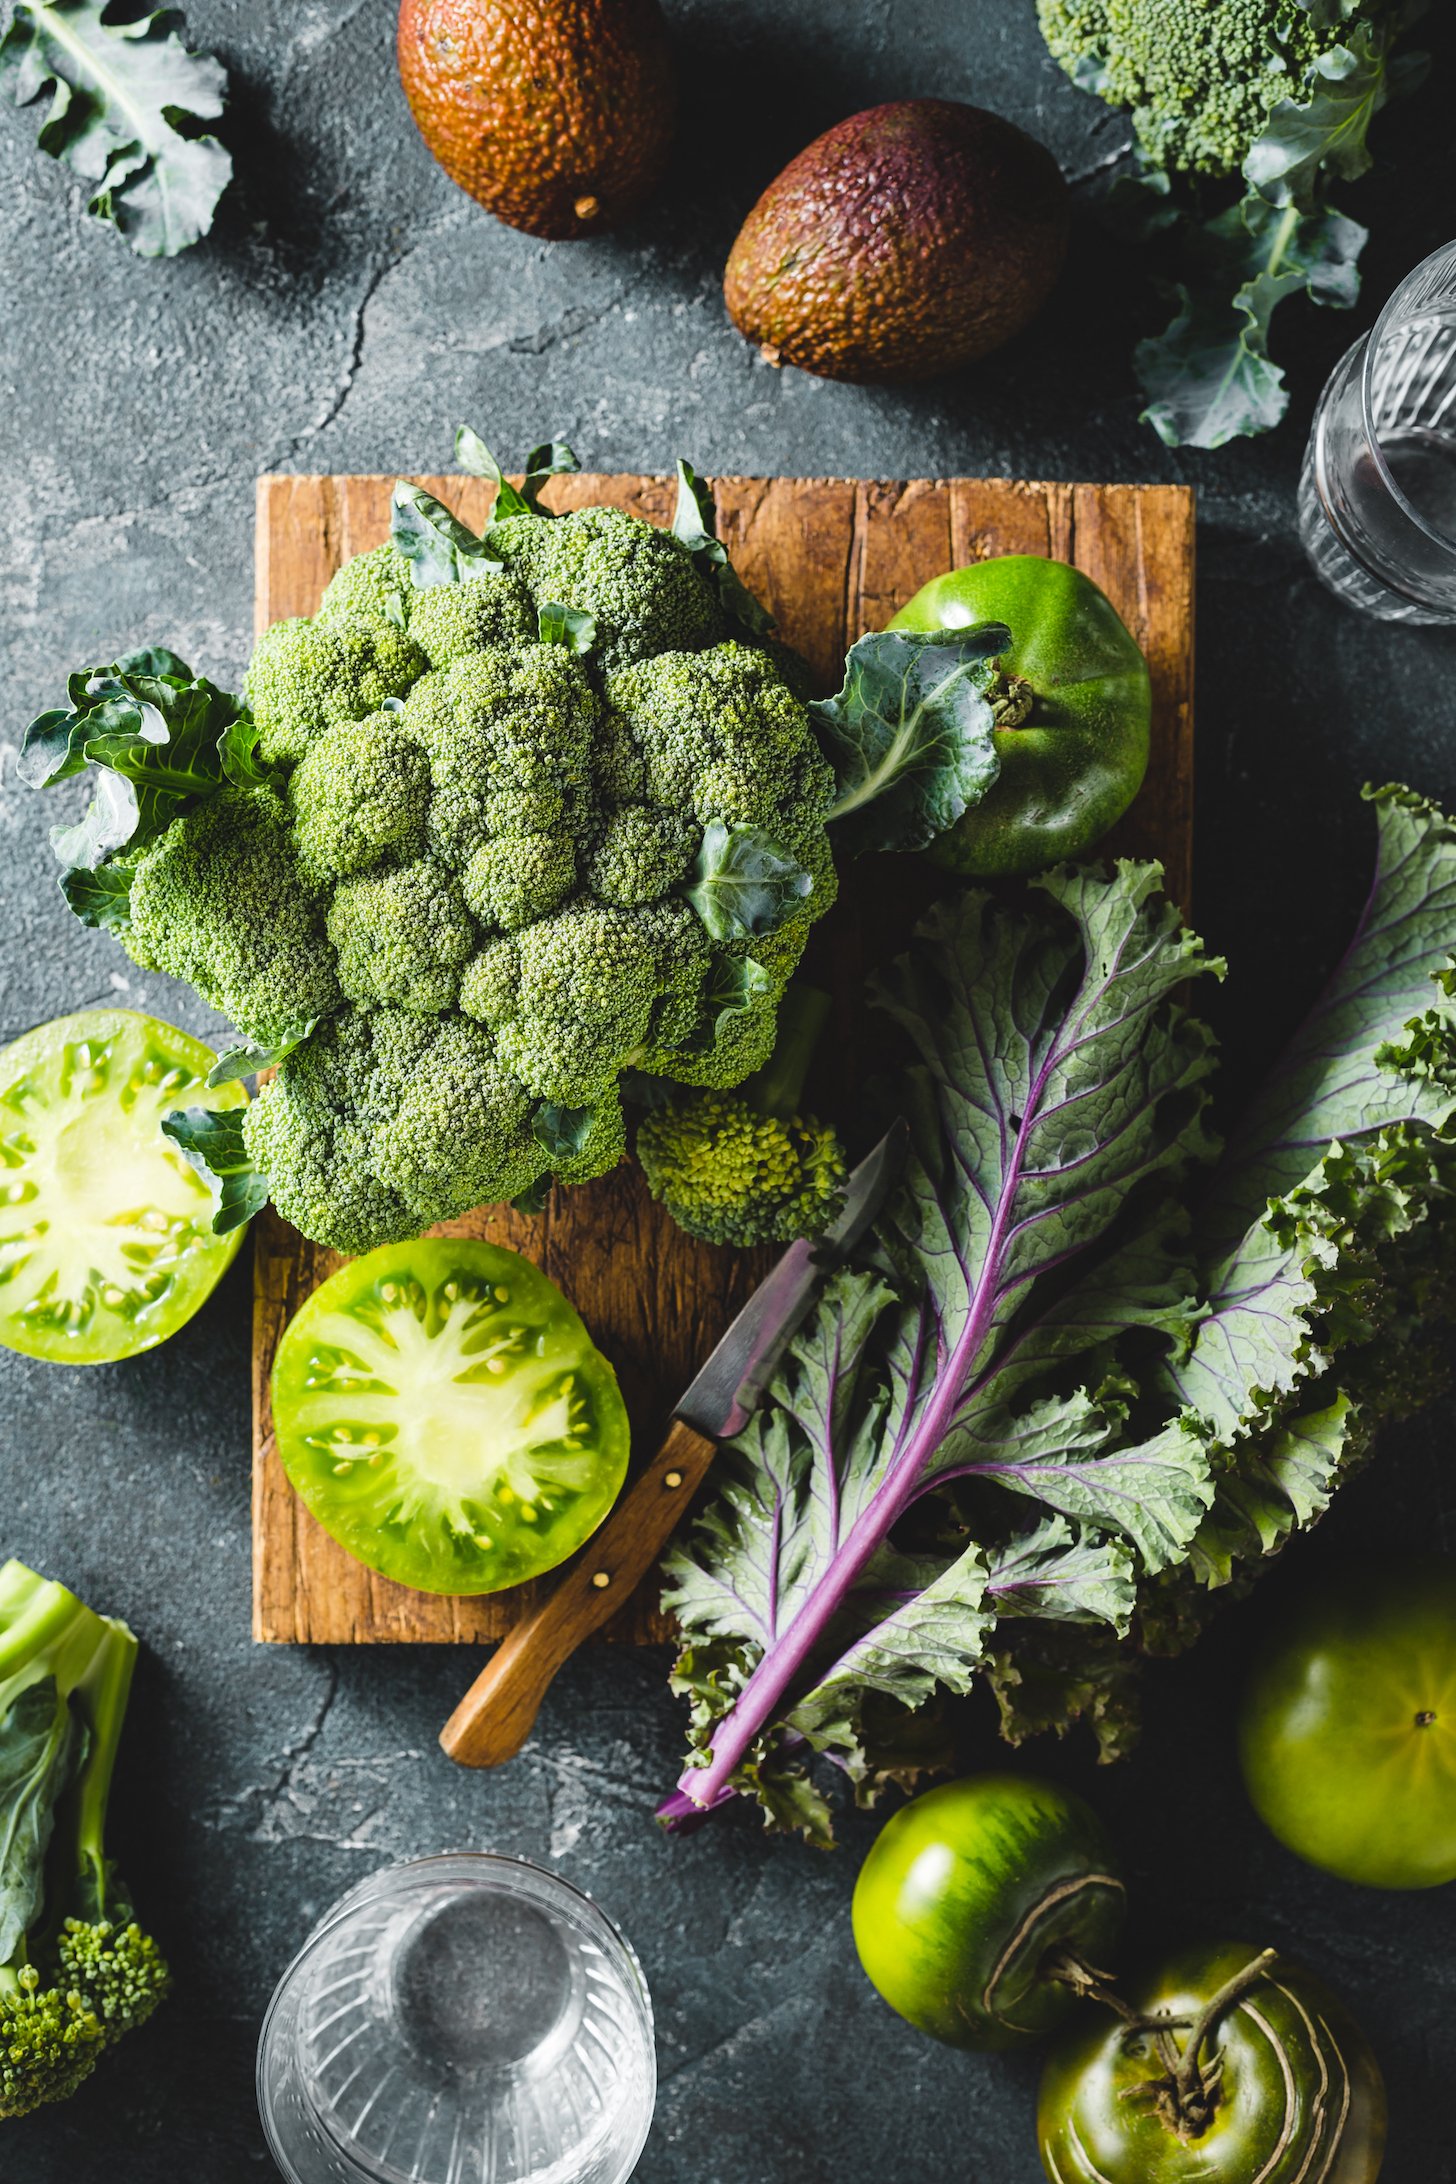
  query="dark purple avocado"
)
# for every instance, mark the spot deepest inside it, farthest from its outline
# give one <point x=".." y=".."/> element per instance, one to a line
<point x="903" y="243"/>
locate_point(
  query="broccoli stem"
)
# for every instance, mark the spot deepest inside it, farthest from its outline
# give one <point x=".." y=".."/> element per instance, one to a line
<point x="102" y="1693"/>
<point x="778" y="1087"/>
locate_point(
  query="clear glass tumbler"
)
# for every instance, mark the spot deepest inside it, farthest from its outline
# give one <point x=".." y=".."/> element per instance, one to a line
<point x="468" y="2019"/>
<point x="1377" y="496"/>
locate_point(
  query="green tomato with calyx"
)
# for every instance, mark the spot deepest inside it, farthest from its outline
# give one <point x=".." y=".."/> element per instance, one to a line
<point x="1073" y="708"/>
<point x="983" y="1904"/>
<point x="1347" y="1732"/>
<point x="1227" y="2066"/>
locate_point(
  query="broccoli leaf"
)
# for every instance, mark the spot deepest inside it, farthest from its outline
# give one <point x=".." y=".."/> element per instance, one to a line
<point x="212" y="1143"/>
<point x="562" y="1131"/>
<point x="435" y="543"/>
<point x="745" y="884"/>
<point x="125" y="98"/>
<point x="910" y="734"/>
<point x="1208" y="376"/>
<point x="157" y="738"/>
<point x="245" y="1059"/>
<point x="735" y="985"/>
<point x="695" y="526"/>
<point x="1327" y="128"/>
<point x="552" y="459"/>
<point x="1060" y="1077"/>
<point x="573" y="627"/>
<point x="101" y="897"/>
<point x="41" y="1743"/>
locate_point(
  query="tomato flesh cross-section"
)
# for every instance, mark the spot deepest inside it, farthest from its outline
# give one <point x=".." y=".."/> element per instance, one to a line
<point x="444" y="1414"/>
<point x="106" y="1242"/>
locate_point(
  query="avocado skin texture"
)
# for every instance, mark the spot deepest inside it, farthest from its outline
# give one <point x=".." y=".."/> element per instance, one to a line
<point x="903" y="243"/>
<point x="538" y="108"/>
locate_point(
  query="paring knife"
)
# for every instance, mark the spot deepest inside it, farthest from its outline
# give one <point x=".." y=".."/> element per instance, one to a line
<point x="497" y="1713"/>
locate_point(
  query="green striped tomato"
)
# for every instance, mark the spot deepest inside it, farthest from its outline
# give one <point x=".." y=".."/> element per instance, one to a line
<point x="1291" y="2092"/>
<point x="968" y="1892"/>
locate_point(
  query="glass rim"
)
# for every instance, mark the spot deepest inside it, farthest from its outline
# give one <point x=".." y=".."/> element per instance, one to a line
<point x="1373" y="340"/>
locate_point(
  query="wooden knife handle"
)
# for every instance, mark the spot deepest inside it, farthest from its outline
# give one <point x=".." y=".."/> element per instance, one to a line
<point x="497" y="1713"/>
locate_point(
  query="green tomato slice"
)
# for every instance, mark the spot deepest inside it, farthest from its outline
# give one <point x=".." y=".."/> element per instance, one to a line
<point x="106" y="1243"/>
<point x="444" y="1414"/>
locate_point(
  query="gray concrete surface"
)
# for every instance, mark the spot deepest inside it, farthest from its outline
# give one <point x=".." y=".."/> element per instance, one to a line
<point x="349" y="309"/>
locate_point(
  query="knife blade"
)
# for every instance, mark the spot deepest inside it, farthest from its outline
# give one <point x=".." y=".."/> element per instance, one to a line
<point x="495" y="1717"/>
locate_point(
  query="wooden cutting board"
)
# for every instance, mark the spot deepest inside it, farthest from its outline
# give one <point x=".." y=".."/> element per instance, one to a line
<point x="833" y="557"/>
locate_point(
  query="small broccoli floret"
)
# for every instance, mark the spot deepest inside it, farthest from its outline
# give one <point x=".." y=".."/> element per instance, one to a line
<point x="76" y="1971"/>
<point x="311" y="1130"/>
<point x="638" y="583"/>
<point x="461" y="1135"/>
<point x="509" y="737"/>
<point x="309" y="676"/>
<point x="1200" y="79"/>
<point x="450" y="621"/>
<point x="744" y="1168"/>
<point x="518" y="878"/>
<point x="589" y="982"/>
<point x="220" y="900"/>
<point x="730" y="1176"/>
<point x="377" y="586"/>
<point x="401" y="937"/>
<point x="359" y="795"/>
<point x="643" y="855"/>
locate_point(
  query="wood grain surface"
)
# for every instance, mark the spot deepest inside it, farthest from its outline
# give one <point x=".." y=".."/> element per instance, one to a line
<point x="833" y="557"/>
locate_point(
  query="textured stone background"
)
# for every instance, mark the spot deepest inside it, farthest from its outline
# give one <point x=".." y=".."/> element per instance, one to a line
<point x="350" y="308"/>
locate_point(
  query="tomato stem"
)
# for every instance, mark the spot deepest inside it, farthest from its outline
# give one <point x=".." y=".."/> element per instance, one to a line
<point x="1012" y="698"/>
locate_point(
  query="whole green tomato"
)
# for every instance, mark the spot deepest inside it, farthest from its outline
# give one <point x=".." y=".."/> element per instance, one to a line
<point x="1347" y="1731"/>
<point x="970" y="1893"/>
<point x="1074" y="713"/>
<point x="1237" y="2080"/>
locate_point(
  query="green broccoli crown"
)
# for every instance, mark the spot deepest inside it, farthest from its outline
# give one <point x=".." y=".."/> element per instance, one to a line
<point x="76" y="1971"/>
<point x="732" y="1176"/>
<point x="221" y="900"/>
<point x="477" y="882"/>
<point x="1200" y="78"/>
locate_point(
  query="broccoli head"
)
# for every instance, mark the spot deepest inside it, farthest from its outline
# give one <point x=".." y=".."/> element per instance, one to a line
<point x="76" y="1971"/>
<point x="1200" y="80"/>
<point x="462" y="889"/>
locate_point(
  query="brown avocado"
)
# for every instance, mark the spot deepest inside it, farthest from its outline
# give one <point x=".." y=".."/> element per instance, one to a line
<point x="556" y="114"/>
<point x="904" y="242"/>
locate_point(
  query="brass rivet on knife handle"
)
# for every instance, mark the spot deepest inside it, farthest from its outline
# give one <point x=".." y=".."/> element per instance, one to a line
<point x="499" y="1711"/>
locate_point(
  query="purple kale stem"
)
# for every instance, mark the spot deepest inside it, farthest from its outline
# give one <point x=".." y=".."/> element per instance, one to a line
<point x="759" y="1700"/>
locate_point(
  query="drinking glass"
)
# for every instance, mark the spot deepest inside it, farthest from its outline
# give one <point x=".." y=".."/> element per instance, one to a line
<point x="467" y="2019"/>
<point x="1377" y="496"/>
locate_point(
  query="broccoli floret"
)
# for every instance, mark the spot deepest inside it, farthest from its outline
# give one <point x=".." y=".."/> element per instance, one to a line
<point x="745" y="1168"/>
<point x="589" y="982"/>
<point x="309" y="676"/>
<point x="220" y="899"/>
<point x="638" y="583"/>
<point x="450" y="621"/>
<point x="509" y="739"/>
<point x="76" y="1971"/>
<point x="518" y="878"/>
<point x="402" y="937"/>
<point x="357" y="796"/>
<point x="461" y="1134"/>
<point x="377" y="587"/>
<point x="643" y="855"/>
<point x="1200" y="79"/>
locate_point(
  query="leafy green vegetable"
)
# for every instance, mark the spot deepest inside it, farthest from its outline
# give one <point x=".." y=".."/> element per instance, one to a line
<point x="76" y="1972"/>
<point x="569" y="626"/>
<point x="126" y="98"/>
<point x="439" y="548"/>
<point x="1173" y="1397"/>
<point x="910" y="734"/>
<point x="1280" y="97"/>
<point x="553" y="459"/>
<point x="695" y="525"/>
<point x="249" y="1056"/>
<point x="213" y="1143"/>
<point x="159" y="740"/>
<point x="744" y="883"/>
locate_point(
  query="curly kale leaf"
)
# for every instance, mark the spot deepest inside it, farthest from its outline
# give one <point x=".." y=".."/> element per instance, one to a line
<point x="126" y="98"/>
<point x="1059" y="1079"/>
